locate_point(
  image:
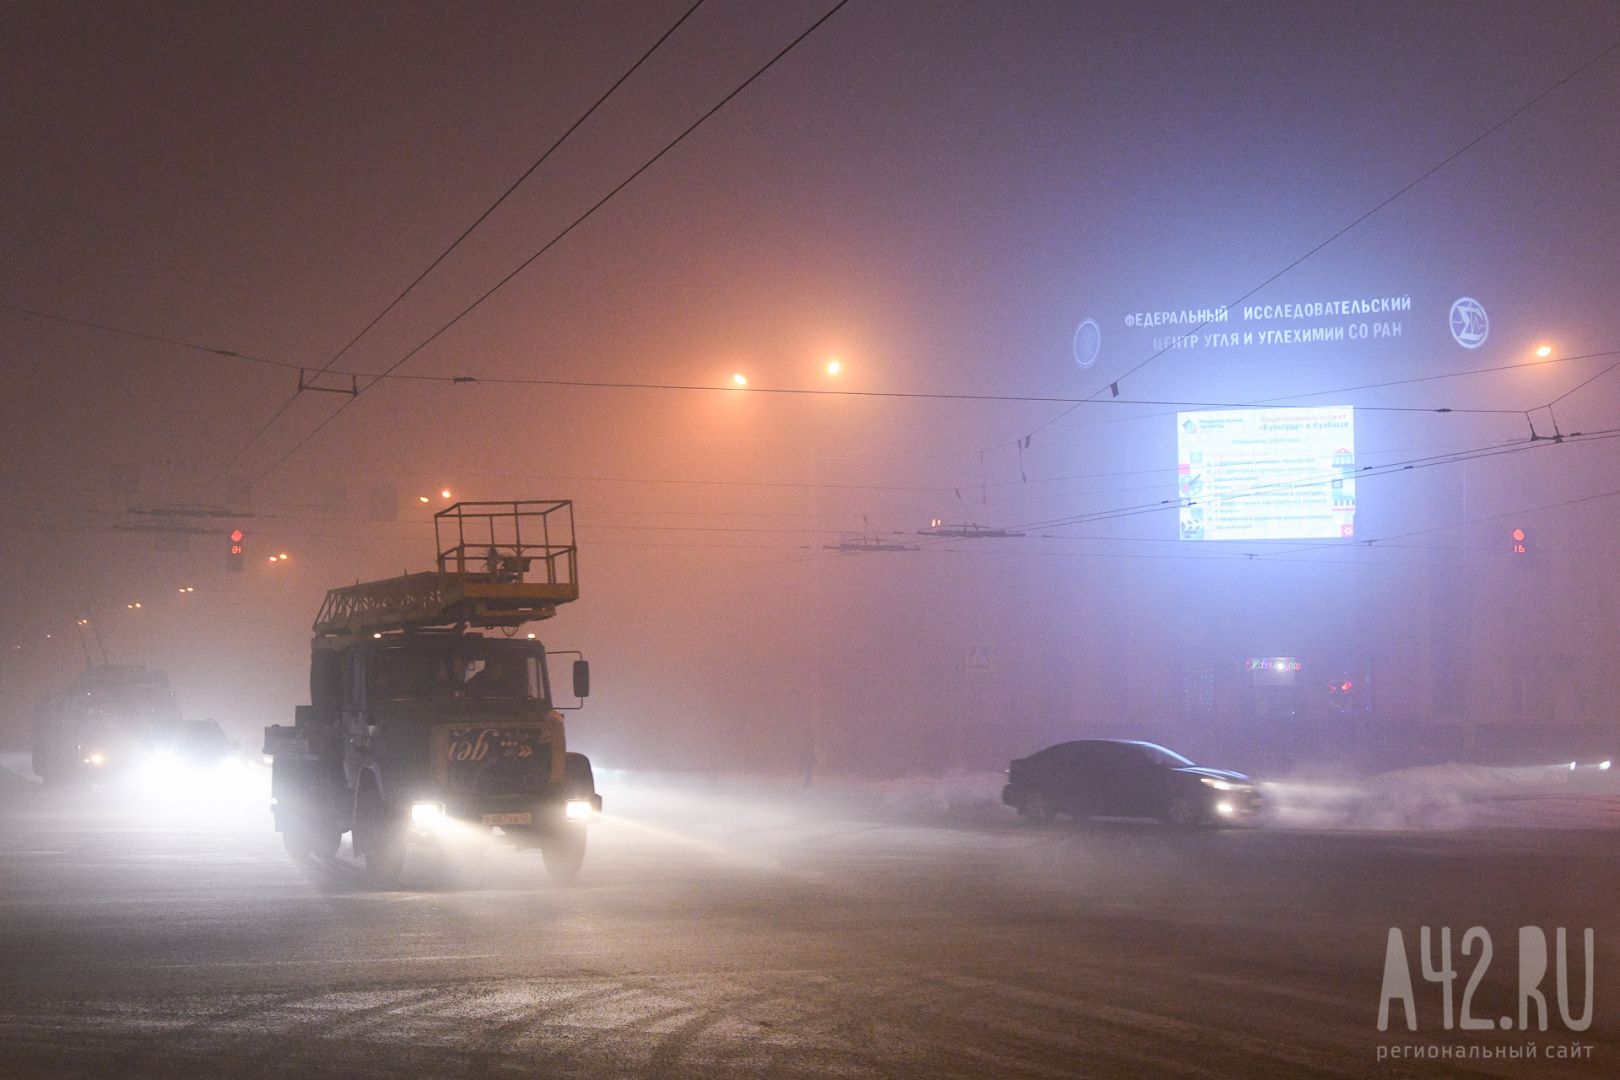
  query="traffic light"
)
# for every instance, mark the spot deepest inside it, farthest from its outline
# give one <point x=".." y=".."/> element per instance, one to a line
<point x="1521" y="544"/>
<point x="236" y="550"/>
<point x="1345" y="695"/>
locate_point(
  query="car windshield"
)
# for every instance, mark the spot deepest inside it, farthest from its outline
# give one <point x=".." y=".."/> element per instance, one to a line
<point x="1164" y="759"/>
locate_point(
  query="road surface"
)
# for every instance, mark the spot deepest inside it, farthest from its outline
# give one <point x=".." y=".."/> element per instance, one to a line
<point x="723" y="934"/>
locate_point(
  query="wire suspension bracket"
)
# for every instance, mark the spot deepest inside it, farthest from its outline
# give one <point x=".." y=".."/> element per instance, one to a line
<point x="306" y="381"/>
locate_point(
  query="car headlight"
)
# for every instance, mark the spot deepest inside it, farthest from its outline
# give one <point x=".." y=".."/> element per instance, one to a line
<point x="579" y="810"/>
<point x="427" y="814"/>
<point x="1221" y="785"/>
<point x="96" y="758"/>
<point x="1224" y="808"/>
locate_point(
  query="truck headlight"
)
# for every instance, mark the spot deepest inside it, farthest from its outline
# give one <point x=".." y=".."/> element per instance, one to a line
<point x="579" y="810"/>
<point x="427" y="814"/>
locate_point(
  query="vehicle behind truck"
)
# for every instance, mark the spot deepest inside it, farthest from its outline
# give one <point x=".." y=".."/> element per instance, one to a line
<point x="104" y="725"/>
<point x="423" y="729"/>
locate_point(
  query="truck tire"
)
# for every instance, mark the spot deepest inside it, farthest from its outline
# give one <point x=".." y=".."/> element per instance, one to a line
<point x="379" y="837"/>
<point x="563" y="846"/>
<point x="306" y="842"/>
<point x="563" y="851"/>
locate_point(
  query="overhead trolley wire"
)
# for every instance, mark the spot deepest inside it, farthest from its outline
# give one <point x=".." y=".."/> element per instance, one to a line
<point x="490" y="209"/>
<point x="918" y="395"/>
<point x="549" y="244"/>
<point x="1408" y="186"/>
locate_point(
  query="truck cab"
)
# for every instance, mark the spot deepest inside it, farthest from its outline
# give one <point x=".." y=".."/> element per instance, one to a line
<point x="421" y="728"/>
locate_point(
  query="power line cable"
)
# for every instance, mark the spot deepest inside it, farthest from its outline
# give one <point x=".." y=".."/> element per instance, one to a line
<point x="1367" y="473"/>
<point x="490" y="209"/>
<point x="1275" y="402"/>
<point x="921" y="395"/>
<point x="143" y="336"/>
<point x="1560" y="504"/>
<point x="549" y="244"/>
<point x="1408" y="186"/>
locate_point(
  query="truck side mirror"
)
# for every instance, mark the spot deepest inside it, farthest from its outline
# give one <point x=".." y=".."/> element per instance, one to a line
<point x="582" y="678"/>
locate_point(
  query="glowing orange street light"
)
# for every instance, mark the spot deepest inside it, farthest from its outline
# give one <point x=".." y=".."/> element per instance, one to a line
<point x="834" y="366"/>
<point x="739" y="379"/>
<point x="445" y="494"/>
<point x="1544" y="351"/>
<point x="423" y="499"/>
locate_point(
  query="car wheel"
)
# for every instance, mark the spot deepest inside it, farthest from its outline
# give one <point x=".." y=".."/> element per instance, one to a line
<point x="1037" y="807"/>
<point x="1186" y="812"/>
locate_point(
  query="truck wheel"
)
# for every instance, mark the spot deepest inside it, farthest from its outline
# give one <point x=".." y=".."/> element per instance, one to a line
<point x="563" y="851"/>
<point x="305" y="843"/>
<point x="379" y="838"/>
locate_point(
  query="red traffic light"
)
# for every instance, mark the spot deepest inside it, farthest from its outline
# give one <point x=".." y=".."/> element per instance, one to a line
<point x="236" y="536"/>
<point x="1521" y="542"/>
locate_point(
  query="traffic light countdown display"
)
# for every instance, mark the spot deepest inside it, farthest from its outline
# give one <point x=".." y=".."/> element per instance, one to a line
<point x="1523" y="548"/>
<point x="236" y="550"/>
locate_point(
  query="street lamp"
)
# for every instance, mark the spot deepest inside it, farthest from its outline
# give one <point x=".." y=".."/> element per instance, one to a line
<point x="1544" y="351"/>
<point x="739" y="379"/>
<point x="834" y="366"/>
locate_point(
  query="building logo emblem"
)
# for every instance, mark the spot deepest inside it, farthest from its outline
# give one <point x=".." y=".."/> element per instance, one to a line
<point x="1470" y="326"/>
<point x="1087" y="343"/>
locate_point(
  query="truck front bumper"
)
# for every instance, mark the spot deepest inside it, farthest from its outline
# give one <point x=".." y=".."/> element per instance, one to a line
<point x="504" y="812"/>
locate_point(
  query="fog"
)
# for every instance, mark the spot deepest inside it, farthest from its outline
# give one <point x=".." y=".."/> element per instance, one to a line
<point x="937" y="199"/>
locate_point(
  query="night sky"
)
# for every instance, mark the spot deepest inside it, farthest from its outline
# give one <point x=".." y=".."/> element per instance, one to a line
<point x="936" y="194"/>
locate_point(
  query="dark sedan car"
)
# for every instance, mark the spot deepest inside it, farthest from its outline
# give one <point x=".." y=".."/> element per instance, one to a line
<point x="1126" y="778"/>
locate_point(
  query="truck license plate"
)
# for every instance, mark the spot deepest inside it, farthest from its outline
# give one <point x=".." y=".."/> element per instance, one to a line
<point x="525" y="818"/>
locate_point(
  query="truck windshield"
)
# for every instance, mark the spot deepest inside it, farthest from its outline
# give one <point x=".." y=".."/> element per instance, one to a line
<point x="443" y="672"/>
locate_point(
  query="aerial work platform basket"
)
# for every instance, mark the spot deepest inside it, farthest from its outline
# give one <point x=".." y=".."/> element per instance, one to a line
<point x="501" y="564"/>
